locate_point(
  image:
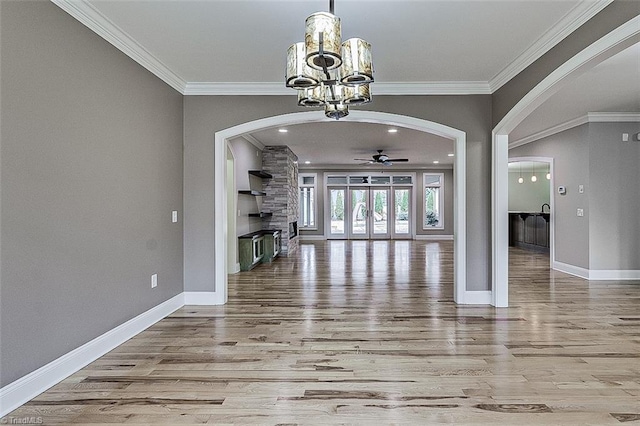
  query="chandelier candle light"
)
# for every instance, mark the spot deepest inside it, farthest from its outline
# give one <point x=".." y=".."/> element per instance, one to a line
<point x="327" y="72"/>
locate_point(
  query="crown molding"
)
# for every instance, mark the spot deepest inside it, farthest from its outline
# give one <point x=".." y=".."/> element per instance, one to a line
<point x="88" y="15"/>
<point x="278" y="88"/>
<point x="568" y="24"/>
<point x="592" y="117"/>
<point x="613" y="117"/>
<point x="253" y="141"/>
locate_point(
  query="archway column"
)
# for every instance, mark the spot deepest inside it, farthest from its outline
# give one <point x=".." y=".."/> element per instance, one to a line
<point x="617" y="40"/>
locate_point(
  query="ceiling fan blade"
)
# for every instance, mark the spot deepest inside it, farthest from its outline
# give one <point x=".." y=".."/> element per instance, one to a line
<point x="399" y="160"/>
<point x="387" y="163"/>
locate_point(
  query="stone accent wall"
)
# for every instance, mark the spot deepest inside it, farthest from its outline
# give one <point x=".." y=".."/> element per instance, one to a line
<point x="282" y="193"/>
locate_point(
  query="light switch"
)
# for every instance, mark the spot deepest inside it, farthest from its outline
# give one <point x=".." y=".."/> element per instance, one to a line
<point x="174" y="216"/>
<point x="625" y="137"/>
<point x="154" y="280"/>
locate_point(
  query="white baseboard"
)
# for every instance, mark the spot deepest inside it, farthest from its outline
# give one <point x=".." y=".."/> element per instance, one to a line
<point x="618" y="275"/>
<point x="571" y="269"/>
<point x="206" y="298"/>
<point x="471" y="297"/>
<point x="433" y="237"/>
<point x="33" y="384"/>
<point x="235" y="269"/>
<point x="312" y="237"/>
<point x="597" y="274"/>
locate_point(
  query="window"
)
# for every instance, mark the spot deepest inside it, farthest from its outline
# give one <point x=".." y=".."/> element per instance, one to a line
<point x="307" y="206"/>
<point x="433" y="201"/>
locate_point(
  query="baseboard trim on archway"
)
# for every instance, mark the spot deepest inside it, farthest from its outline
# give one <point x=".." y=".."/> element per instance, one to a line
<point x="597" y="274"/>
<point x="203" y="298"/>
<point x="477" y="297"/>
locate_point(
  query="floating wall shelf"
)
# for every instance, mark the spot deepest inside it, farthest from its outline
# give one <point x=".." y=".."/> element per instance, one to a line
<point x="261" y="214"/>
<point x="260" y="174"/>
<point x="252" y="192"/>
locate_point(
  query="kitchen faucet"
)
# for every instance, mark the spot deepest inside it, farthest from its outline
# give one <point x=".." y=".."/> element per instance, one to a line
<point x="542" y="208"/>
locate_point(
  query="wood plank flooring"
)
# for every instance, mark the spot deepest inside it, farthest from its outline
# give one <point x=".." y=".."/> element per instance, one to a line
<point x="359" y="332"/>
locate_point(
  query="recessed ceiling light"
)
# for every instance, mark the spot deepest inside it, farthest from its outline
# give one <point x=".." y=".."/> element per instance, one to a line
<point x="450" y="155"/>
<point x="283" y="130"/>
<point x="307" y="162"/>
<point x="436" y="162"/>
<point x="392" y="130"/>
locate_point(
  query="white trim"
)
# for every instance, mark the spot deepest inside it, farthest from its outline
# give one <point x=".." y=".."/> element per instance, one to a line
<point x="236" y="269"/>
<point x="550" y="131"/>
<point x="597" y="274"/>
<point x="433" y="237"/>
<point x="397" y="88"/>
<point x="477" y="297"/>
<point x="618" y="275"/>
<point x="311" y="237"/>
<point x="592" y="117"/>
<point x="219" y="238"/>
<point x="28" y="387"/>
<point x="88" y="15"/>
<point x="571" y="270"/>
<point x="253" y="141"/>
<point x="568" y="24"/>
<point x="602" y="49"/>
<point x="613" y="117"/>
<point x="204" y="298"/>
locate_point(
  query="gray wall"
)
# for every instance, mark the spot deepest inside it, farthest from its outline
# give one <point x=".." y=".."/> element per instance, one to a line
<point x="614" y="197"/>
<point x="203" y="116"/>
<point x="593" y="155"/>
<point x="91" y="155"/>
<point x="570" y="151"/>
<point x="528" y="196"/>
<point x="611" y="17"/>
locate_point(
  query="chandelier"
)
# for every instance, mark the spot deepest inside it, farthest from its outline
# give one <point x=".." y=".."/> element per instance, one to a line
<point x="327" y="72"/>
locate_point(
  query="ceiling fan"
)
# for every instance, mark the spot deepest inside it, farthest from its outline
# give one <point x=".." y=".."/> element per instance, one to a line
<point x="383" y="159"/>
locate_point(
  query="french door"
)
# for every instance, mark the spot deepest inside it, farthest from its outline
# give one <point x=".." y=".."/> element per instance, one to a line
<point x="369" y="213"/>
<point x="366" y="213"/>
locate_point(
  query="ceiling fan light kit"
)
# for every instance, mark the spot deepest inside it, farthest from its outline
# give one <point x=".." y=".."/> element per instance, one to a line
<point x="326" y="71"/>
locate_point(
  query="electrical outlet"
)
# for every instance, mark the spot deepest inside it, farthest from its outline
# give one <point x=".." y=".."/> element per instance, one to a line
<point x="625" y="137"/>
<point x="580" y="212"/>
<point x="581" y="189"/>
<point x="154" y="280"/>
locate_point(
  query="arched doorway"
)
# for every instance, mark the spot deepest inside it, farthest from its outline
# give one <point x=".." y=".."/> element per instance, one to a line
<point x="221" y="188"/>
<point x="609" y="45"/>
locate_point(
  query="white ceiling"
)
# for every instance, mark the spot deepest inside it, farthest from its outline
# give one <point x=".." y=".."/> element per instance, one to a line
<point x="419" y="47"/>
<point x="336" y="144"/>
<point x="413" y="41"/>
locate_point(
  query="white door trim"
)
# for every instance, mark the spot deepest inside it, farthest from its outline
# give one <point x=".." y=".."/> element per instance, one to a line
<point x="602" y="49"/>
<point x="219" y="264"/>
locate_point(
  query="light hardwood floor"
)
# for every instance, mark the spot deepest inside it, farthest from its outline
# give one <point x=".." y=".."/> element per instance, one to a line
<point x="357" y="332"/>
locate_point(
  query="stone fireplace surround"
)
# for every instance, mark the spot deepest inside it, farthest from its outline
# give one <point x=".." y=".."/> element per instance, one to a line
<point x="281" y="197"/>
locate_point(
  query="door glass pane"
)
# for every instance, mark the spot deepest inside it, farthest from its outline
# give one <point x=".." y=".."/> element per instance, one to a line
<point x="359" y="211"/>
<point x="337" y="210"/>
<point x="337" y="180"/>
<point x="401" y="209"/>
<point x="380" y="211"/>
